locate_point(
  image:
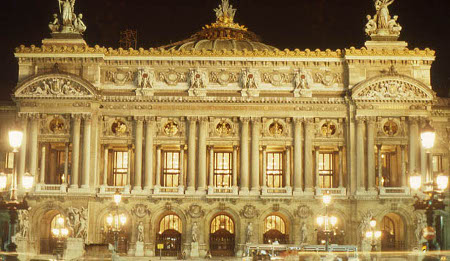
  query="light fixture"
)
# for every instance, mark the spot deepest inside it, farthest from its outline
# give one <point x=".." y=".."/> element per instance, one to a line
<point x="109" y="219"/>
<point x="377" y="234"/>
<point x="320" y="221"/>
<point x="15" y="139"/>
<point x="27" y="181"/>
<point x="333" y="220"/>
<point x="326" y="199"/>
<point x="373" y="222"/>
<point x="117" y="197"/>
<point x="428" y="136"/>
<point x="3" y="180"/>
<point x="442" y="182"/>
<point x="415" y="182"/>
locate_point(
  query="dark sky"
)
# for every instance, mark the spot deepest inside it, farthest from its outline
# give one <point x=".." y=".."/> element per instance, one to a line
<point x="282" y="23"/>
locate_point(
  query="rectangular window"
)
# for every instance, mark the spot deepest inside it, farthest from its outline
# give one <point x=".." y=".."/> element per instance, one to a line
<point x="437" y="163"/>
<point x="120" y="168"/>
<point x="171" y="169"/>
<point x="61" y="159"/>
<point x="326" y="170"/>
<point x="222" y="169"/>
<point x="274" y="169"/>
<point x="386" y="169"/>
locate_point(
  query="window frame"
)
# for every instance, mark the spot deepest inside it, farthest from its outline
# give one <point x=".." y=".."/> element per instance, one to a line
<point x="223" y="173"/>
<point x="275" y="176"/>
<point x="173" y="173"/>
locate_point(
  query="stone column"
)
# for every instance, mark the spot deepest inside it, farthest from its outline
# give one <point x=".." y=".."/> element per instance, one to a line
<point x="105" y="166"/>
<point x="244" y="186"/>
<point x="380" y="166"/>
<point x="423" y="163"/>
<point x="255" y="155"/>
<point x="211" y="167"/>
<point x="413" y="139"/>
<point x="181" y="181"/>
<point x="22" y="152"/>
<point x="66" y="163"/>
<point x="75" y="150"/>
<point x="129" y="167"/>
<point x="235" y="159"/>
<point x="264" y="170"/>
<point x="43" y="160"/>
<point x="309" y="126"/>
<point x="34" y="145"/>
<point x="288" y="167"/>
<point x="86" y="151"/>
<point x="341" y="164"/>
<point x="191" y="154"/>
<point x="298" y="179"/>
<point x="149" y="132"/>
<point x="360" y="158"/>
<point x="316" y="165"/>
<point x="158" y="166"/>
<point x="203" y="128"/>
<point x="371" y="154"/>
<point x="138" y="153"/>
<point x="403" y="166"/>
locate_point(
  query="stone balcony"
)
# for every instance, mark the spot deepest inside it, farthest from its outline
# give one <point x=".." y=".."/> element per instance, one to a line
<point x="394" y="192"/>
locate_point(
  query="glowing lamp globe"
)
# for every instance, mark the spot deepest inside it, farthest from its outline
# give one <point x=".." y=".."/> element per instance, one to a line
<point x="326" y="199"/>
<point x="428" y="136"/>
<point x="333" y="221"/>
<point x="442" y="182"/>
<point x="377" y="234"/>
<point x="55" y="232"/>
<point x="123" y="219"/>
<point x="65" y="232"/>
<point x="415" y="182"/>
<point x="320" y="221"/>
<point x="27" y="181"/>
<point x="3" y="180"/>
<point x="109" y="220"/>
<point x="373" y="222"/>
<point x="369" y="234"/>
<point x="117" y="197"/>
<point x="15" y="139"/>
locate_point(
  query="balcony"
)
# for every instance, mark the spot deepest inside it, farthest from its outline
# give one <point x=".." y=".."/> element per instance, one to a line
<point x="276" y="192"/>
<point x="109" y="190"/>
<point x="168" y="191"/>
<point x="334" y="192"/>
<point x="394" y="192"/>
<point x="223" y="191"/>
<point x="51" y="189"/>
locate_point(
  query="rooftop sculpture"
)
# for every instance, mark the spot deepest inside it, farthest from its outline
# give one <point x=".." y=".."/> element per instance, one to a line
<point x="67" y="22"/>
<point x="383" y="27"/>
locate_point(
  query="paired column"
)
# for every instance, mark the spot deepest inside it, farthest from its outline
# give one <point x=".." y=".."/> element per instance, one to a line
<point x="181" y="179"/>
<point x="203" y="128"/>
<point x="288" y="167"/>
<point x="371" y="153"/>
<point x="316" y="169"/>
<point x="403" y="166"/>
<point x="255" y="155"/>
<point x="244" y="154"/>
<point x="149" y="132"/>
<point x="138" y="154"/>
<point x="66" y="163"/>
<point x="413" y="139"/>
<point x="86" y="151"/>
<point x="34" y="145"/>
<point x="191" y="154"/>
<point x="42" y="173"/>
<point x="76" y="123"/>
<point x="22" y="152"/>
<point x="158" y="166"/>
<point x="211" y="167"/>
<point x="309" y="126"/>
<point x="129" y="168"/>
<point x="360" y="159"/>
<point x="341" y="165"/>
<point x="235" y="159"/>
<point x="298" y="179"/>
<point x="105" y="165"/>
<point x="264" y="170"/>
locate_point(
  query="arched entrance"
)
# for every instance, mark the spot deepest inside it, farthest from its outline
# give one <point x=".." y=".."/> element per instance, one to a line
<point x="222" y="236"/>
<point x="47" y="241"/>
<point x="392" y="233"/>
<point x="169" y="236"/>
<point x="275" y="230"/>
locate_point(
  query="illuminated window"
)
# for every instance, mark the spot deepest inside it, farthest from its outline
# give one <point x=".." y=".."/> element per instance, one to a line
<point x="55" y="223"/>
<point x="437" y="163"/>
<point x="171" y="169"/>
<point x="274" y="169"/>
<point x="222" y="222"/>
<point x="326" y="170"/>
<point x="274" y="222"/>
<point x="61" y="159"/>
<point x="170" y="222"/>
<point x="120" y="168"/>
<point x="222" y="169"/>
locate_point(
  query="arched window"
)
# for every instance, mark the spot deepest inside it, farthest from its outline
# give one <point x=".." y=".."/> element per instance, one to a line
<point x="222" y="222"/>
<point x="170" y="222"/>
<point x="274" y="222"/>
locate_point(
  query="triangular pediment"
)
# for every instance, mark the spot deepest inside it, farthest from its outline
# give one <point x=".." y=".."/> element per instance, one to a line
<point x="387" y="88"/>
<point x="55" y="85"/>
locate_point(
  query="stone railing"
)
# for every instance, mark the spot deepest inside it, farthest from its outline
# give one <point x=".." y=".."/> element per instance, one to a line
<point x="334" y="192"/>
<point x="223" y="191"/>
<point x="284" y="191"/>
<point x="113" y="189"/>
<point x="168" y="190"/>
<point x="50" y="188"/>
<point x="394" y="192"/>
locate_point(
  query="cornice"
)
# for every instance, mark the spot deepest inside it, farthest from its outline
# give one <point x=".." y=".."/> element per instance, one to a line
<point x="405" y="52"/>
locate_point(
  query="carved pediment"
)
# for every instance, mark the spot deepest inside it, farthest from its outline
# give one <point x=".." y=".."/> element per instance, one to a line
<point x="392" y="88"/>
<point x="55" y="86"/>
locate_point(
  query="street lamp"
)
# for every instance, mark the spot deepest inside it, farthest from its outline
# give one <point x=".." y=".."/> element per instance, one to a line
<point x="60" y="232"/>
<point x="12" y="204"/>
<point x="117" y="221"/>
<point x="373" y="234"/>
<point x="326" y="221"/>
<point x="433" y="189"/>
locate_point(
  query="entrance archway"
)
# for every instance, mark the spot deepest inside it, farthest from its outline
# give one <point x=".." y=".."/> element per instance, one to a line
<point x="169" y="236"/>
<point x="47" y="242"/>
<point x="275" y="230"/>
<point x="222" y="236"/>
<point x="392" y="233"/>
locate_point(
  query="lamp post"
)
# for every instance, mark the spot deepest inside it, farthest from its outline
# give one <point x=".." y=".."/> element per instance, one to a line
<point x="326" y="221"/>
<point x="12" y="204"/>
<point x="433" y="189"/>
<point x="60" y="232"/>
<point x="373" y="234"/>
<point x="117" y="221"/>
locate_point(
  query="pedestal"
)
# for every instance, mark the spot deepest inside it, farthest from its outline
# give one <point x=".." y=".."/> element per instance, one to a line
<point x="24" y="248"/>
<point x="194" y="250"/>
<point x="139" y="249"/>
<point x="74" y="248"/>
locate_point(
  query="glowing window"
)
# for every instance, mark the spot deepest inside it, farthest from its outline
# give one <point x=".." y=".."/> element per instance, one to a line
<point x="171" y="170"/>
<point x="274" y="222"/>
<point x="170" y="222"/>
<point x="222" y="222"/>
<point x="326" y="164"/>
<point x="222" y="169"/>
<point x="274" y="169"/>
<point x="120" y="169"/>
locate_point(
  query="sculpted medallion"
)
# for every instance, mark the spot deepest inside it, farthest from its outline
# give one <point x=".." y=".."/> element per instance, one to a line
<point x="223" y="77"/>
<point x="223" y="128"/>
<point x="276" y="78"/>
<point x="327" y="78"/>
<point x="119" y="127"/>
<point x="57" y="125"/>
<point x="171" y="128"/>
<point x="119" y="77"/>
<point x="140" y="210"/>
<point x="390" y="128"/>
<point x="249" y="211"/>
<point x="303" y="211"/>
<point x="195" y="211"/>
<point x="172" y="77"/>
<point x="276" y="129"/>
<point x="328" y="129"/>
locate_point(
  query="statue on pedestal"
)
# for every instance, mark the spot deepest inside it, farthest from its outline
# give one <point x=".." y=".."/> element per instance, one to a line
<point x="382" y="26"/>
<point x="67" y="21"/>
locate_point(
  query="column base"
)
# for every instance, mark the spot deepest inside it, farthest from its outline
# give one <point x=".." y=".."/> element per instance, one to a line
<point x="127" y="189"/>
<point x="85" y="186"/>
<point x="149" y="189"/>
<point x="309" y="192"/>
<point x="190" y="191"/>
<point x="139" y="191"/>
<point x="255" y="191"/>
<point x="244" y="191"/>
<point x="297" y="192"/>
<point x="200" y="191"/>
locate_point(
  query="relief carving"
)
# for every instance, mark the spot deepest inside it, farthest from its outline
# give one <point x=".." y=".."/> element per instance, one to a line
<point x="303" y="211"/>
<point x="119" y="77"/>
<point x="172" y="77"/>
<point x="223" y="77"/>
<point x="140" y="210"/>
<point x="327" y="78"/>
<point x="391" y="89"/>
<point x="276" y="78"/>
<point x="55" y="87"/>
<point x="249" y="211"/>
<point x="195" y="211"/>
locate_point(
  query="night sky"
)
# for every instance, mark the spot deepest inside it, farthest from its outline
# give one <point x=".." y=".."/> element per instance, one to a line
<point x="333" y="24"/>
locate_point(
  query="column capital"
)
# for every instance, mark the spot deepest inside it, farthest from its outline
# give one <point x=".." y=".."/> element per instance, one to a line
<point x="360" y="119"/>
<point x="87" y="117"/>
<point x="379" y="146"/>
<point x="244" y="119"/>
<point x="371" y="120"/>
<point x="76" y="116"/>
<point x="192" y="118"/>
<point x="158" y="147"/>
<point x="235" y="147"/>
<point x="149" y="119"/>
<point x="203" y="119"/>
<point x="139" y="118"/>
<point x="309" y="121"/>
<point x="211" y="147"/>
<point x="316" y="148"/>
<point x="264" y="148"/>
<point x="288" y="147"/>
<point x="298" y="120"/>
<point x="414" y="120"/>
<point x="255" y="119"/>
<point x="183" y="147"/>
